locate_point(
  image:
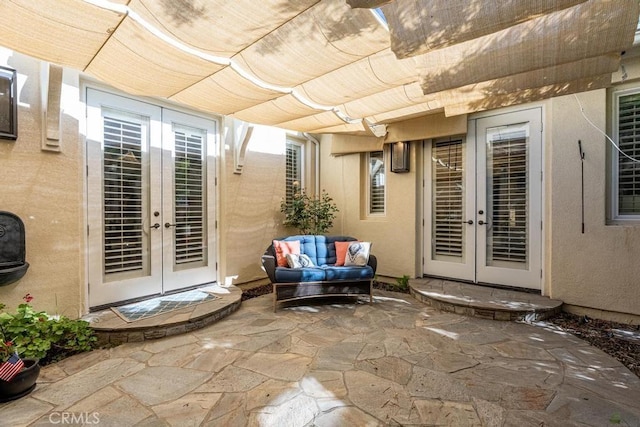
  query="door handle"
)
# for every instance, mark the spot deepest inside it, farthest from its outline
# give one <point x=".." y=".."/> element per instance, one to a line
<point x="156" y="226"/>
<point x="481" y="222"/>
<point x="167" y="225"/>
<point x="470" y="222"/>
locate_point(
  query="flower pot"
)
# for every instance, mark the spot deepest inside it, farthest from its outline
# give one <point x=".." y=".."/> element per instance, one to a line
<point x="22" y="384"/>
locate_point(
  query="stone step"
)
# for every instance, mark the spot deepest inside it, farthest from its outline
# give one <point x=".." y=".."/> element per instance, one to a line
<point x="483" y="301"/>
<point x="112" y="329"/>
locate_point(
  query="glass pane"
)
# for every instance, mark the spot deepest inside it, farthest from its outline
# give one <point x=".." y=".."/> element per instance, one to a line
<point x="508" y="196"/>
<point x="293" y="170"/>
<point x="124" y="200"/>
<point x="8" y="103"/>
<point x="190" y="202"/>
<point x="376" y="182"/>
<point x="6" y="107"/>
<point x="448" y="232"/>
<point x="629" y="143"/>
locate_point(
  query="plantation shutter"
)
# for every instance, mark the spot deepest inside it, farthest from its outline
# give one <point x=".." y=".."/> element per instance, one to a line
<point x="507" y="180"/>
<point x="124" y="197"/>
<point x="293" y="170"/>
<point x="190" y="201"/>
<point x="448" y="200"/>
<point x="629" y="143"/>
<point x="377" y="183"/>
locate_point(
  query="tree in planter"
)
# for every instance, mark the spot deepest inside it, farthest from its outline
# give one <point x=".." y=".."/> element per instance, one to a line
<point x="310" y="215"/>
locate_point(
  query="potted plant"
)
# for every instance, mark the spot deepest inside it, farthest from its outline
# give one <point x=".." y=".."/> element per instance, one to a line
<point x="310" y="215"/>
<point x="16" y="384"/>
<point x="17" y="375"/>
<point x="28" y="337"/>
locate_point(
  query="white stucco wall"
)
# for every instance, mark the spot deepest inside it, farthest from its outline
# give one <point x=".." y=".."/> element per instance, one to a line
<point x="598" y="269"/>
<point x="394" y="235"/>
<point x="250" y="202"/>
<point x="45" y="190"/>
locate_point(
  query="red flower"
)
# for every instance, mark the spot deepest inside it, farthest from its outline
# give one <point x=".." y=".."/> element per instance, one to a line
<point x="28" y="298"/>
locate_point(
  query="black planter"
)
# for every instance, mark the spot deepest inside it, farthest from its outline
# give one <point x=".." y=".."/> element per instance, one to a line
<point x="22" y="384"/>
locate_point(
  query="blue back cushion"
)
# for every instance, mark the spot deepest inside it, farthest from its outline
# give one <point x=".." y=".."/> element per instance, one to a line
<point x="321" y="249"/>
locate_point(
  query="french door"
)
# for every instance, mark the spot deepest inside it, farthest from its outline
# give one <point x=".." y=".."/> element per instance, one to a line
<point x="151" y="199"/>
<point x="483" y="215"/>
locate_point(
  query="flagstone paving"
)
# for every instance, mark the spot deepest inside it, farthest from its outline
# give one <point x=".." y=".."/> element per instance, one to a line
<point x="394" y="362"/>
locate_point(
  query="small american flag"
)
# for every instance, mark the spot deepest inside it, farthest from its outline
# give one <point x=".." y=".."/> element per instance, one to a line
<point x="11" y="367"/>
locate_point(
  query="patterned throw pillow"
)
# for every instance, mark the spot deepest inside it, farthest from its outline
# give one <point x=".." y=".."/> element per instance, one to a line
<point x="299" y="261"/>
<point x="283" y="247"/>
<point x="358" y="254"/>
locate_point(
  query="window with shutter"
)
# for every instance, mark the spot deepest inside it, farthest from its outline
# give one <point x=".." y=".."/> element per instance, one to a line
<point x="376" y="183"/>
<point x="508" y="190"/>
<point x="189" y="184"/>
<point x="124" y="200"/>
<point x="448" y="199"/>
<point x="626" y="172"/>
<point x="294" y="162"/>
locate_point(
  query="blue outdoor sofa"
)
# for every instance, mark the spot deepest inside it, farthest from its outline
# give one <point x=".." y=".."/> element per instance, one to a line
<point x="324" y="278"/>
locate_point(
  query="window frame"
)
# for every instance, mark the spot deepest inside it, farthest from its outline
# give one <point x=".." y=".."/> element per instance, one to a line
<point x="614" y="174"/>
<point x="369" y="191"/>
<point x="302" y="166"/>
<point x="10" y="101"/>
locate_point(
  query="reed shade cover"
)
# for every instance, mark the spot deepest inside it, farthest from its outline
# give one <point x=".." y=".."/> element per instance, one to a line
<point x="323" y="66"/>
<point x="420" y="26"/>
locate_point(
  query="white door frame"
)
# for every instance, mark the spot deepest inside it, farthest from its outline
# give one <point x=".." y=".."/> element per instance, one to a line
<point x="93" y="202"/>
<point x="443" y="269"/>
<point x="175" y="277"/>
<point x="465" y="267"/>
<point x="148" y="281"/>
<point x="531" y="276"/>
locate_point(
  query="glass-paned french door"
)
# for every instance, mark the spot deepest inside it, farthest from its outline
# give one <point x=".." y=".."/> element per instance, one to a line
<point x="151" y="199"/>
<point x="483" y="202"/>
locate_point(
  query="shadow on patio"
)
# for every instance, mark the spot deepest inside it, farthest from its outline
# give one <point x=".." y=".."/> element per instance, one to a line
<point x="395" y="361"/>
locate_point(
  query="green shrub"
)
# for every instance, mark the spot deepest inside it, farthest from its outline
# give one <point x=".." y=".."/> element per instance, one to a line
<point x="403" y="282"/>
<point x="35" y="334"/>
<point x="310" y="215"/>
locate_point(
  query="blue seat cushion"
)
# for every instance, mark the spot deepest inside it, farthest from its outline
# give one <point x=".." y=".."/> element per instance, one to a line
<point x="349" y="273"/>
<point x="294" y="275"/>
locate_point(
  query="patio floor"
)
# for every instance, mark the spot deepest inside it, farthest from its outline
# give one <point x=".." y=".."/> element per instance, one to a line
<point x="396" y="361"/>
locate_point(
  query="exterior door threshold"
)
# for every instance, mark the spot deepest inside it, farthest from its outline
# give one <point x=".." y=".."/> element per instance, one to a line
<point x="484" y="301"/>
<point x="111" y="329"/>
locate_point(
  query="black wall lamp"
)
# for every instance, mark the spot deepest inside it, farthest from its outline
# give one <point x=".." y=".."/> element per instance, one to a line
<point x="400" y="157"/>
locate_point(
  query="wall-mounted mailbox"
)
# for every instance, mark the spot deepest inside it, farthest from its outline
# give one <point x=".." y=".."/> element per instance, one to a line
<point x="12" y="249"/>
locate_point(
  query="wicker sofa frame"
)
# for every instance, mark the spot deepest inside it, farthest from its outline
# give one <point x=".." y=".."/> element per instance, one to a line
<point x="292" y="291"/>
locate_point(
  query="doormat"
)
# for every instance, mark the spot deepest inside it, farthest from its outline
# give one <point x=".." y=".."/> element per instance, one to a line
<point x="162" y="305"/>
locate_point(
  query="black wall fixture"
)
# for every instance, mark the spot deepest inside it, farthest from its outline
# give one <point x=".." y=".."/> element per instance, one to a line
<point x="8" y="103"/>
<point x="400" y="157"/>
<point x="12" y="249"/>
